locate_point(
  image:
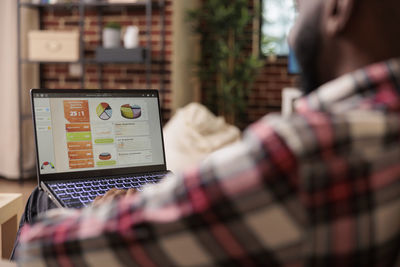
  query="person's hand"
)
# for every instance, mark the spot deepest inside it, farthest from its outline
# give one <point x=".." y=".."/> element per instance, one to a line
<point x="113" y="194"/>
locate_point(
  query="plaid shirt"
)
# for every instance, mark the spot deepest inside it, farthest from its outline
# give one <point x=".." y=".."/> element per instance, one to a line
<point x="321" y="188"/>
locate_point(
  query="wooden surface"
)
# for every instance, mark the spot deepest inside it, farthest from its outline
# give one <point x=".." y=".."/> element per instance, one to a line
<point x="10" y="214"/>
<point x="5" y="263"/>
<point x="14" y="186"/>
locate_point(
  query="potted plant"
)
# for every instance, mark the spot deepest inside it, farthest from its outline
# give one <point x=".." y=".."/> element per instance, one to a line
<point x="227" y="68"/>
<point x="112" y="35"/>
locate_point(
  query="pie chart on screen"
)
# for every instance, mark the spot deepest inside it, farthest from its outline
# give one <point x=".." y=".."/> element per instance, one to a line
<point x="131" y="111"/>
<point x="105" y="156"/>
<point x="104" y="111"/>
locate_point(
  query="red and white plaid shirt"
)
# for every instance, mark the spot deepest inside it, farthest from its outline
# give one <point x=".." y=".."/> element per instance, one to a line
<point x="321" y="188"/>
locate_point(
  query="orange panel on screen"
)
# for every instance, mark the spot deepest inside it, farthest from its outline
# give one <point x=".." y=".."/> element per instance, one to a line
<point x="76" y="110"/>
<point x="79" y="145"/>
<point x="80" y="154"/>
<point x="77" y="127"/>
<point x="83" y="163"/>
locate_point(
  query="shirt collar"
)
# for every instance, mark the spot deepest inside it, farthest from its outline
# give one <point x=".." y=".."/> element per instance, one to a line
<point x="377" y="85"/>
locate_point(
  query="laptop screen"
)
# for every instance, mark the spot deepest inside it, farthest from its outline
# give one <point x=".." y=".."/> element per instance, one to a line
<point x="92" y="130"/>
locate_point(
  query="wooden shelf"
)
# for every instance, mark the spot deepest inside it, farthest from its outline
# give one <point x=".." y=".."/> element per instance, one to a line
<point x="57" y="5"/>
<point x="106" y="4"/>
<point x="28" y="61"/>
<point x="103" y="55"/>
<point x="139" y="4"/>
<point x="120" y="55"/>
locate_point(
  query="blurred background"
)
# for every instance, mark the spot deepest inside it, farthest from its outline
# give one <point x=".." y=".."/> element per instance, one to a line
<point x="230" y="56"/>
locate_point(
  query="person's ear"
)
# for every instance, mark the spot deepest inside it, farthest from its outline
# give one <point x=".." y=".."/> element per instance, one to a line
<point x="337" y="15"/>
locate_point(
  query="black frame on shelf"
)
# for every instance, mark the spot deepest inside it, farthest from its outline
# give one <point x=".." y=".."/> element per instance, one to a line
<point x="82" y="5"/>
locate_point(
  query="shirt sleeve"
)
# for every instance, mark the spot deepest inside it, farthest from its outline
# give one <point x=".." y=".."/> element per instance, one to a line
<point x="236" y="206"/>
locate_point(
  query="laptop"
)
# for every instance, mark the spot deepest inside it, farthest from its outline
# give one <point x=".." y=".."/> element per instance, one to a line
<point x="89" y="141"/>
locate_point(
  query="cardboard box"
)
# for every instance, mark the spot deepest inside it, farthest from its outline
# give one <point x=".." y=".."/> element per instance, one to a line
<point x="53" y="46"/>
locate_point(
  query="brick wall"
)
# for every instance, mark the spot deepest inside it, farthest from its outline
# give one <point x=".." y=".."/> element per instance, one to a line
<point x="114" y="76"/>
<point x="265" y="96"/>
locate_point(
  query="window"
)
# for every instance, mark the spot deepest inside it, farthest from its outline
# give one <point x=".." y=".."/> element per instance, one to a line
<point x="277" y="19"/>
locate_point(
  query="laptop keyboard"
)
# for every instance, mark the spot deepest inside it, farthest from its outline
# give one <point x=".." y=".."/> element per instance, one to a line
<point x="82" y="193"/>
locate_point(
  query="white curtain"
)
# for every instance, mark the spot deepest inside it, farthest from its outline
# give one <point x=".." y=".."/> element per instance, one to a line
<point x="9" y="100"/>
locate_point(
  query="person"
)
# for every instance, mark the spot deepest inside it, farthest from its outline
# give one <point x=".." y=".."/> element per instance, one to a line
<point x="320" y="188"/>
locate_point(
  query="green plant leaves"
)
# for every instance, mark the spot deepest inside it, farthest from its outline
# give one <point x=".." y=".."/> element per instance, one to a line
<point x="227" y="68"/>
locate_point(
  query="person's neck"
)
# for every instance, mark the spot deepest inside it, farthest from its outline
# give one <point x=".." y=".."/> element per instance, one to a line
<point x="349" y="58"/>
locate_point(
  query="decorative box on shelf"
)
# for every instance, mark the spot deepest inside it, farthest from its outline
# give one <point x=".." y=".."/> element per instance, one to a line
<point x="120" y="55"/>
<point x="53" y="46"/>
